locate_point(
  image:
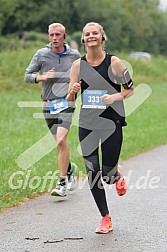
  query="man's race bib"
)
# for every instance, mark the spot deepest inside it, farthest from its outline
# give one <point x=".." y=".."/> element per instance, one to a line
<point x="91" y="99"/>
<point x="58" y="105"/>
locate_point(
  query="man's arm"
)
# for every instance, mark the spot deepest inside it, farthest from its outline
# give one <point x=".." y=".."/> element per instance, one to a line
<point x="32" y="72"/>
<point x="33" y="69"/>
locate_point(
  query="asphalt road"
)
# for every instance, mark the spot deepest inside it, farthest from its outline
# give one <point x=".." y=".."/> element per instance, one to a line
<point x="48" y="224"/>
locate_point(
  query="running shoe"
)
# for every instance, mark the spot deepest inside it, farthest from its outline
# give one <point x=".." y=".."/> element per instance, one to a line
<point x="121" y="185"/>
<point x="60" y="190"/>
<point x="72" y="178"/>
<point x="105" y="225"/>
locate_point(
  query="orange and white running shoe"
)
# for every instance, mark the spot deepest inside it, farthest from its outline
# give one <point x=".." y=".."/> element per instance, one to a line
<point x="105" y="225"/>
<point x="121" y="185"/>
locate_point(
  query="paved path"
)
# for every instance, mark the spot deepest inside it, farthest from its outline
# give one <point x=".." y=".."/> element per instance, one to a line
<point x="48" y="224"/>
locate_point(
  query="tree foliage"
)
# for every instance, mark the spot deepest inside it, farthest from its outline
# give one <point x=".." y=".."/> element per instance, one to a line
<point x="129" y="24"/>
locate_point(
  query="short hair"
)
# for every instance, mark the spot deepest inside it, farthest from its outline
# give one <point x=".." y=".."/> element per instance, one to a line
<point x="56" y="25"/>
<point x="98" y="26"/>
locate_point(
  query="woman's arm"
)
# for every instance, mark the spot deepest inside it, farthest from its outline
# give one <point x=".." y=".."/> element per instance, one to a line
<point x="122" y="77"/>
<point x="74" y="85"/>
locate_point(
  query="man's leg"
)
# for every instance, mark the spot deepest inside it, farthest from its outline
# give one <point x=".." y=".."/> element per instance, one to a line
<point x="64" y="164"/>
<point x="63" y="150"/>
<point x="63" y="161"/>
<point x="68" y="171"/>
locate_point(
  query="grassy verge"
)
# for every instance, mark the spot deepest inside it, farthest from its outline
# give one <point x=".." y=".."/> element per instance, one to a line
<point x="19" y="132"/>
<point x="147" y="126"/>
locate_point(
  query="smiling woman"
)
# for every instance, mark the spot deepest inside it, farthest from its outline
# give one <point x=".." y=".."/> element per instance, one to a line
<point x="104" y="82"/>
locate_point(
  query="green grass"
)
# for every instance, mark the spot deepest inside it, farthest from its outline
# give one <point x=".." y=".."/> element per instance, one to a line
<point x="19" y="131"/>
<point x="146" y="129"/>
<point x="147" y="126"/>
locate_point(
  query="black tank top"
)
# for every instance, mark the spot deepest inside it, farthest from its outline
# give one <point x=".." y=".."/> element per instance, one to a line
<point x="100" y="78"/>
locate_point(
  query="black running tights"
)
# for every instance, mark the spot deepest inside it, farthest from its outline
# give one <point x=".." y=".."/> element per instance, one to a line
<point x="110" y="143"/>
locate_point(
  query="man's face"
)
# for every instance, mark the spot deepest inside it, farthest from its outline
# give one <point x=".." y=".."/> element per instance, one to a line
<point x="56" y="37"/>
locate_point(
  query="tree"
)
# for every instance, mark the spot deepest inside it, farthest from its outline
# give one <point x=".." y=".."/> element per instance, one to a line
<point x="129" y="24"/>
<point x="6" y="10"/>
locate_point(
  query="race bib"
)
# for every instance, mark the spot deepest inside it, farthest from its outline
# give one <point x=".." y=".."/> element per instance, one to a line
<point x="58" y="105"/>
<point x="91" y="99"/>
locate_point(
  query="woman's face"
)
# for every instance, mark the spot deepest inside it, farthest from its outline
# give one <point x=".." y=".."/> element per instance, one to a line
<point x="92" y="36"/>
